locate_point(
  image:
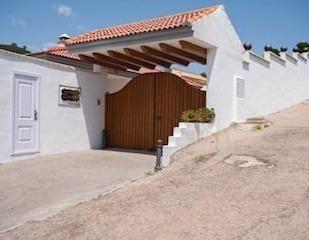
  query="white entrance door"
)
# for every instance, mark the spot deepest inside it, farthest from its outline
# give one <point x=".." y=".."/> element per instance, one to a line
<point x="26" y="115"/>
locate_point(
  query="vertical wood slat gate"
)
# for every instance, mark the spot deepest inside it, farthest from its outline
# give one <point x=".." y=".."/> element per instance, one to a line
<point x="147" y="109"/>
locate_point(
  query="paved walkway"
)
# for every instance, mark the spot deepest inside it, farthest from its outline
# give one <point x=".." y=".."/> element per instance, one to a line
<point x="37" y="188"/>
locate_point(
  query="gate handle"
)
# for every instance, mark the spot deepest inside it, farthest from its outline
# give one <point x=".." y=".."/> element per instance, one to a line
<point x="36" y="115"/>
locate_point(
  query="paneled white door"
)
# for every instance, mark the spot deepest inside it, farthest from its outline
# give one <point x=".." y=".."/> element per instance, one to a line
<point x="26" y="115"/>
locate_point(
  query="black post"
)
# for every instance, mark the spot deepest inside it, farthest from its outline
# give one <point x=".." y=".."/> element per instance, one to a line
<point x="104" y="138"/>
<point x="159" y="155"/>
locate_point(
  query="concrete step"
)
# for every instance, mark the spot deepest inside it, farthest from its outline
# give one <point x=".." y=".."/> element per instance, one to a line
<point x="177" y="131"/>
<point x="182" y="125"/>
<point x="177" y="142"/>
<point x="171" y="141"/>
<point x="183" y="135"/>
<point x="256" y="121"/>
<point x="168" y="150"/>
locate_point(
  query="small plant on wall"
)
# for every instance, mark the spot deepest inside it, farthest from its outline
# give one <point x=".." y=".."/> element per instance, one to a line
<point x="188" y="116"/>
<point x="269" y="48"/>
<point x="202" y="115"/>
<point x="302" y="47"/>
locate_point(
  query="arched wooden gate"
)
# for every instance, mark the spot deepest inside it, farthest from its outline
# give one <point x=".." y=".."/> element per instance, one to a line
<point x="147" y="109"/>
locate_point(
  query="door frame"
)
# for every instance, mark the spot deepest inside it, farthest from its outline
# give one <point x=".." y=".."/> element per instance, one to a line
<point x="38" y="97"/>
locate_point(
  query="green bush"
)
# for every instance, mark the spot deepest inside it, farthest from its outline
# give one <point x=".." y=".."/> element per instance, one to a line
<point x="188" y="116"/>
<point x="275" y="51"/>
<point x="203" y="115"/>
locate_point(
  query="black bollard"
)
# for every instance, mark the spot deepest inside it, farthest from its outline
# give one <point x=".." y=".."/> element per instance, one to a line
<point x="159" y="155"/>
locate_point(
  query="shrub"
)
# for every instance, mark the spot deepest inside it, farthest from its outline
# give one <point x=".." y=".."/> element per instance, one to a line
<point x="276" y="51"/>
<point x="188" y="116"/>
<point x="204" y="115"/>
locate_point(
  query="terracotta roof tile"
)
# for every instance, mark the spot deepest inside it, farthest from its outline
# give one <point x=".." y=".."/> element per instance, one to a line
<point x="151" y="25"/>
<point x="62" y="52"/>
<point x="195" y="82"/>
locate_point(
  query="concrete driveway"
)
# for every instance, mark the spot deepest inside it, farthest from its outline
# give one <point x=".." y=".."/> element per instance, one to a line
<point x="37" y="188"/>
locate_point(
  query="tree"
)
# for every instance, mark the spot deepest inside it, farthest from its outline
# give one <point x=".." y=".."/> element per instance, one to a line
<point x="203" y="74"/>
<point x="275" y="51"/>
<point x="13" y="47"/>
<point x="302" y="47"/>
<point x="269" y="48"/>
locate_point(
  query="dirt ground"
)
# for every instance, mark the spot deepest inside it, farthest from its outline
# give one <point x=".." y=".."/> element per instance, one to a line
<point x="243" y="183"/>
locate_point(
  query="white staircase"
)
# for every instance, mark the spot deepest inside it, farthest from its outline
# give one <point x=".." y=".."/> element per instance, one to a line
<point x="184" y="135"/>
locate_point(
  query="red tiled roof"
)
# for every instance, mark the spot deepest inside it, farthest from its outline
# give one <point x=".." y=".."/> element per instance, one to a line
<point x="62" y="52"/>
<point x="151" y="25"/>
<point x="198" y="83"/>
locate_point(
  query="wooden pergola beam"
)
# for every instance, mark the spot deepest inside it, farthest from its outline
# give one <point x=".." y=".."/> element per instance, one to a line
<point x="145" y="57"/>
<point x="107" y="59"/>
<point x="89" y="59"/>
<point x="193" y="47"/>
<point x="160" y="54"/>
<point x="127" y="58"/>
<point x="173" y="50"/>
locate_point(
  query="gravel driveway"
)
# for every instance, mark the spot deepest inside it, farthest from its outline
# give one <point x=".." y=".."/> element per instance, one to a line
<point x="241" y="183"/>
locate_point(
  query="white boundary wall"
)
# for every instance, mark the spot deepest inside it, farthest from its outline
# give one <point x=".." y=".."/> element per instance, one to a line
<point x="271" y="84"/>
<point x="62" y="128"/>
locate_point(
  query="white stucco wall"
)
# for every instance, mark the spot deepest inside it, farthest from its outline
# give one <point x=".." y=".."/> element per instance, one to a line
<point x="116" y="83"/>
<point x="224" y="62"/>
<point x="272" y="84"/>
<point x="62" y="128"/>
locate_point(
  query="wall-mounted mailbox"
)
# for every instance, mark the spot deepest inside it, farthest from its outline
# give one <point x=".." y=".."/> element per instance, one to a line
<point x="69" y="95"/>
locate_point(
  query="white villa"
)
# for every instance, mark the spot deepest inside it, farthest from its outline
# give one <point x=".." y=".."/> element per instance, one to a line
<point x="119" y="80"/>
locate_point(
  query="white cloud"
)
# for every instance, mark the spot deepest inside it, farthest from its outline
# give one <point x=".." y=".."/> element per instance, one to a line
<point x="64" y="10"/>
<point x="18" y="22"/>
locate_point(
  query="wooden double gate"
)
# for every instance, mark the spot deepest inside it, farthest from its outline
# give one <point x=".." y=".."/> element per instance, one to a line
<point x="147" y="109"/>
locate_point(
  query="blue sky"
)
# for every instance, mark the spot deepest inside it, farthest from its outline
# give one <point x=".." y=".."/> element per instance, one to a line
<point x="37" y="23"/>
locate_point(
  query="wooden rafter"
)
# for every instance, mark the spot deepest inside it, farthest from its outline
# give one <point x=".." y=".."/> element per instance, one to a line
<point x="193" y="47"/>
<point x="88" y="59"/>
<point x="163" y="55"/>
<point x="107" y="59"/>
<point x="127" y="58"/>
<point x="173" y="50"/>
<point x="145" y="57"/>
